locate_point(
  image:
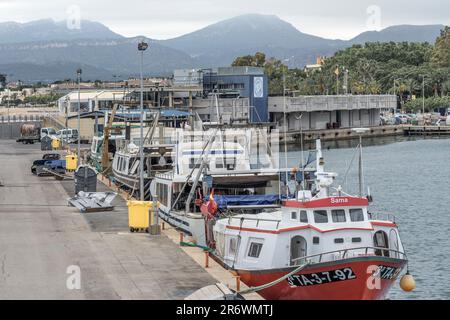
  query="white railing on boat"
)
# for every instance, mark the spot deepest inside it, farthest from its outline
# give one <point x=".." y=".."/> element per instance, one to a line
<point x="382" y="216"/>
<point x="349" y="253"/>
<point x="165" y="175"/>
<point x="242" y="219"/>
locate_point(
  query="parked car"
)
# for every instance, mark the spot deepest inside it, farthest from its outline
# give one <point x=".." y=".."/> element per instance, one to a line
<point x="402" y="118"/>
<point x="67" y="135"/>
<point x="47" y="132"/>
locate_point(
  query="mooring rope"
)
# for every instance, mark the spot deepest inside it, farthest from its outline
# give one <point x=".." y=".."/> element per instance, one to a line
<point x="270" y="284"/>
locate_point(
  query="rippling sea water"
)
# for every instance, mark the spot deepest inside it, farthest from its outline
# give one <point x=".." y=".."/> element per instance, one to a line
<point x="409" y="178"/>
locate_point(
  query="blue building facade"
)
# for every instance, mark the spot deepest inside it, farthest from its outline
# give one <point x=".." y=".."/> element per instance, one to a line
<point x="243" y="82"/>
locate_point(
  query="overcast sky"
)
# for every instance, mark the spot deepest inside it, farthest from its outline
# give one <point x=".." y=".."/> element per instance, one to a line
<point x="161" y="19"/>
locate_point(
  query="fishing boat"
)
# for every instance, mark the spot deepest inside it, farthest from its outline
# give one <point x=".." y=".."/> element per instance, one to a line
<point x="324" y="244"/>
<point x="235" y="163"/>
<point x="96" y="152"/>
<point x="125" y="166"/>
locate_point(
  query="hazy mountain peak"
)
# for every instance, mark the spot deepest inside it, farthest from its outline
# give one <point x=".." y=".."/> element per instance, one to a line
<point x="405" y="32"/>
<point x="50" y="30"/>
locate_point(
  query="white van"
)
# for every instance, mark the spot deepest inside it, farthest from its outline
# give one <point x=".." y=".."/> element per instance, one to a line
<point x="47" y="132"/>
<point x="67" y="135"/>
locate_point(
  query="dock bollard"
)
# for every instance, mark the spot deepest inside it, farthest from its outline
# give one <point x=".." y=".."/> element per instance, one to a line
<point x="181" y="237"/>
<point x="163" y="225"/>
<point x="206" y="259"/>
<point x="238" y="283"/>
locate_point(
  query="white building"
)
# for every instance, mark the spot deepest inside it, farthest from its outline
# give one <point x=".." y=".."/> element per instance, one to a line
<point x="89" y="100"/>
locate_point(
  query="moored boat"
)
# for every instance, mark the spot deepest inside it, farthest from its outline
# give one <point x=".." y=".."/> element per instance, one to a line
<point x="323" y="244"/>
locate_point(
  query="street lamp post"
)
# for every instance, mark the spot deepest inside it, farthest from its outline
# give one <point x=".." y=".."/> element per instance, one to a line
<point x="142" y="46"/>
<point x="423" y="94"/>
<point x="79" y="117"/>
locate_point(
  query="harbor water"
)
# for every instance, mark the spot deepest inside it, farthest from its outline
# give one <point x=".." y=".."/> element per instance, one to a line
<point x="410" y="179"/>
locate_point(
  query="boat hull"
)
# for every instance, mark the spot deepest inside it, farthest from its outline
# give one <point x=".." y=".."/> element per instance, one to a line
<point x="349" y="279"/>
<point x="191" y="224"/>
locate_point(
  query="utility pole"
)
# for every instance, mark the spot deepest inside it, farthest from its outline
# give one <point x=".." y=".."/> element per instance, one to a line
<point x="79" y="117"/>
<point x="346" y="81"/>
<point x="142" y="46"/>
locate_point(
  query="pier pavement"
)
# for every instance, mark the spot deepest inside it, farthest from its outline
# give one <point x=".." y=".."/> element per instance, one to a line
<point x="44" y="243"/>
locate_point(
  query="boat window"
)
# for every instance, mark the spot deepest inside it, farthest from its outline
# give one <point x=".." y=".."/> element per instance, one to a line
<point x="356" y="215"/>
<point x="338" y="215"/>
<point x="356" y="239"/>
<point x="233" y="246"/>
<point x="219" y="163"/>
<point x="316" y="240"/>
<point x="255" y="249"/>
<point x="294" y="215"/>
<point x="303" y="216"/>
<point x="320" y="216"/>
<point x="339" y="240"/>
<point x="192" y="164"/>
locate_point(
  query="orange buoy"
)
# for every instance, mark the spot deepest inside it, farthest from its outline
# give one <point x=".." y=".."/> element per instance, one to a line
<point x="407" y="282"/>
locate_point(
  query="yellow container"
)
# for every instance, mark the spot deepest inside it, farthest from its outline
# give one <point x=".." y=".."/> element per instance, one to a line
<point x="56" y="144"/>
<point x="138" y="215"/>
<point x="71" y="162"/>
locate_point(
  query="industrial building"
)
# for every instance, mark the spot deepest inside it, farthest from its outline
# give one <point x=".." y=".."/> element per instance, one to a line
<point x="329" y="112"/>
<point x="241" y="82"/>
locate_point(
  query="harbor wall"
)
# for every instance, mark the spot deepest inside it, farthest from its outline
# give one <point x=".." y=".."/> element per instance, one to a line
<point x="341" y="134"/>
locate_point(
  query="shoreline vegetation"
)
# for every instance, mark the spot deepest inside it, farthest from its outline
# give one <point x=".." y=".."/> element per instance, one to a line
<point x="405" y="69"/>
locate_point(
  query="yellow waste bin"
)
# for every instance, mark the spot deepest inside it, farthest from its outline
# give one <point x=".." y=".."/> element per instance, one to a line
<point x="71" y="162"/>
<point x="138" y="215"/>
<point x="56" y="144"/>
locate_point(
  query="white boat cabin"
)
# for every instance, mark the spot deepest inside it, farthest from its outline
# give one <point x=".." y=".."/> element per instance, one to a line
<point x="319" y="231"/>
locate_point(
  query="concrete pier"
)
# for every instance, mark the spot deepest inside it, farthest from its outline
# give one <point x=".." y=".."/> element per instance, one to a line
<point x="44" y="243"/>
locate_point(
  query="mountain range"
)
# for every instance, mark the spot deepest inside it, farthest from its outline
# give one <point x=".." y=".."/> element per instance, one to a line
<point x="46" y="50"/>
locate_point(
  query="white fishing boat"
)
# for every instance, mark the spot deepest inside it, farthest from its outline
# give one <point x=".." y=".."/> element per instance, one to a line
<point x="125" y="166"/>
<point x="324" y="244"/>
<point x="235" y="163"/>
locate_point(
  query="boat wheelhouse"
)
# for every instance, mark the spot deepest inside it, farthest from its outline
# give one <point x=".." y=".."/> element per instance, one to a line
<point x="320" y="245"/>
<point x="231" y="162"/>
<point x="95" y="155"/>
<point x="126" y="165"/>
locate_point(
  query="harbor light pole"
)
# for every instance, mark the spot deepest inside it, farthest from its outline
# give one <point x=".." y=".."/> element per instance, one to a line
<point x="79" y="120"/>
<point x="423" y="94"/>
<point x="142" y="46"/>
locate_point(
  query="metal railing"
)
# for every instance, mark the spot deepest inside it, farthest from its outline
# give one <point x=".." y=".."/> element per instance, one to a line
<point x="242" y="219"/>
<point x="382" y="216"/>
<point x="343" y="253"/>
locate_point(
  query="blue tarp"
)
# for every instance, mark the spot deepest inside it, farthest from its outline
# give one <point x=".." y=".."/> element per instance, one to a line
<point x="172" y="113"/>
<point x="244" y="200"/>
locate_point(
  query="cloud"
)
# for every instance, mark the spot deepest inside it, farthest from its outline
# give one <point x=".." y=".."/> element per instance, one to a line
<point x="169" y="18"/>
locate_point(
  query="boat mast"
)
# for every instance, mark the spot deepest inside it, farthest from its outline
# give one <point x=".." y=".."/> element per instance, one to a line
<point x="360" y="131"/>
<point x="285" y="135"/>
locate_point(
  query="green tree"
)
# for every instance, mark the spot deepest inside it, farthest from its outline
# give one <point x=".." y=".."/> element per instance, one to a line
<point x="257" y="60"/>
<point x="2" y="81"/>
<point x="441" y="51"/>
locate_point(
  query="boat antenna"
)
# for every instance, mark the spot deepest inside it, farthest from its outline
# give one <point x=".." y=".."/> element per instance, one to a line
<point x="360" y="131"/>
<point x="299" y="118"/>
<point x="285" y="134"/>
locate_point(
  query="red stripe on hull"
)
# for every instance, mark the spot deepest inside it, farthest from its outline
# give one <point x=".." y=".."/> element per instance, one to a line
<point x="350" y="289"/>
